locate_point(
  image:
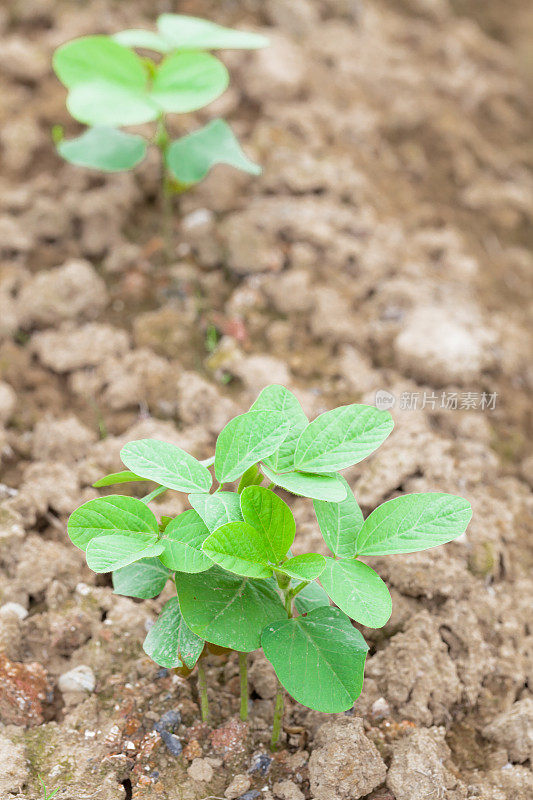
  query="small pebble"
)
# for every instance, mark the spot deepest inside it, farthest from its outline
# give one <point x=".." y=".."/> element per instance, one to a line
<point x="169" y="721"/>
<point x="260" y="763"/>
<point x="200" y="770"/>
<point x="238" y="787"/>
<point x="172" y="743"/>
<point x="14" y="608"/>
<point x="251" y="795"/>
<point x="78" y="679"/>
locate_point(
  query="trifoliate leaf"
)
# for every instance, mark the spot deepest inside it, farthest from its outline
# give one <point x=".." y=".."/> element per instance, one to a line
<point x="217" y="509"/>
<point x="167" y="465"/>
<point x="114" y="514"/>
<point x="278" y="398"/>
<point x="268" y="514"/>
<point x="239" y="548"/>
<point x="358" y="591"/>
<point x="247" y="439"/>
<point x="145" y="578"/>
<point x="183" y="538"/>
<point x="321" y="487"/>
<point x="108" y="553"/>
<point x="340" y="523"/>
<point x="305" y="567"/>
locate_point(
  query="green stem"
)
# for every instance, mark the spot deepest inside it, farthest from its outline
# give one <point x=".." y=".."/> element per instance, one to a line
<point x="243" y="669"/>
<point x="162" y="141"/>
<point x="202" y="691"/>
<point x="148" y="497"/>
<point x="278" y="717"/>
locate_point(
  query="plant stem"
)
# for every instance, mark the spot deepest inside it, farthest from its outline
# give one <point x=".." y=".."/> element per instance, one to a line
<point x="156" y="492"/>
<point x="162" y="141"/>
<point x="202" y="691"/>
<point x="243" y="669"/>
<point x="278" y="717"/>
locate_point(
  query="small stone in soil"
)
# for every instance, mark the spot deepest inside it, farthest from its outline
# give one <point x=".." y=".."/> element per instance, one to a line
<point x="260" y="763"/>
<point x="251" y="795"/>
<point x="169" y="721"/>
<point x="162" y="673"/>
<point x="172" y="742"/>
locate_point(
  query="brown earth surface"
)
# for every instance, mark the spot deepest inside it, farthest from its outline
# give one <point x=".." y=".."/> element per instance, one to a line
<point x="387" y="246"/>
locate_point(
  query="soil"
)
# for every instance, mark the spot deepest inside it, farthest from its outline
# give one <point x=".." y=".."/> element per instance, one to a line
<point x="387" y="246"/>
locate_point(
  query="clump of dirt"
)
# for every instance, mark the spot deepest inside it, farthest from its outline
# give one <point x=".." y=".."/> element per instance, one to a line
<point x="384" y="255"/>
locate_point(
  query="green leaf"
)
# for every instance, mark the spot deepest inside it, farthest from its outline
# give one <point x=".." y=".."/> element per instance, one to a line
<point x="108" y="83"/>
<point x="321" y="487"/>
<point x="268" y="514"/>
<point x="118" y="477"/>
<point x="341" y="437"/>
<point x="305" y="567"/>
<point x="114" y="514"/>
<point x="170" y="643"/>
<point x="104" y="148"/>
<point x="93" y="58"/>
<point x="278" y="398"/>
<point x="239" y="548"/>
<point x="188" y="81"/>
<point x="226" y="609"/>
<point x="147" y="40"/>
<point x="414" y="522"/>
<point x="183" y="539"/>
<point x="108" y="553"/>
<point x="190" y="158"/>
<point x="311" y="596"/>
<point x="193" y="33"/>
<point x="250" y="478"/>
<point x="217" y="509"/>
<point x="105" y="103"/>
<point x="245" y="440"/>
<point x="358" y="591"/>
<point x="145" y="579"/>
<point x="340" y="523"/>
<point x="318" y="658"/>
<point x="167" y="465"/>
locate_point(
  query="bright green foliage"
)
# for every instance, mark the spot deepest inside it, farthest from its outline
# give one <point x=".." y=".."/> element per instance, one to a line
<point x="125" y="476"/>
<point x="340" y="438"/>
<point x="358" y="591"/>
<point x="319" y="658"/>
<point x="190" y="158"/>
<point x="166" y="464"/>
<point x="340" y="523"/>
<point x="170" y="643"/>
<point x="413" y="522"/>
<point x="183" y="538"/>
<point x="227" y="609"/>
<point x="247" y="439"/>
<point x="111" y="86"/>
<point x="238" y="584"/>
<point x="145" y="578"/>
<point x="106" y="149"/>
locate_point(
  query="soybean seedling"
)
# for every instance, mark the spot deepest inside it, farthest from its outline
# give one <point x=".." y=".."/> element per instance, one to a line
<point x="238" y="586"/>
<point x="110" y="86"/>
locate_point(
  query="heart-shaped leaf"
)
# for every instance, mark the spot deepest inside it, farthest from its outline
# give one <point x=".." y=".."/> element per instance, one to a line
<point x="305" y="567"/>
<point x="167" y="465"/>
<point x="358" y="591"/>
<point x="310" y="597"/>
<point x="268" y="514"/>
<point x="108" y="553"/>
<point x="247" y="439"/>
<point x="105" y="149"/>
<point x="278" y="398"/>
<point x="145" y="579"/>
<point x="341" y="437"/>
<point x="188" y="81"/>
<point x="239" y="548"/>
<point x="340" y="523"/>
<point x="183" y="539"/>
<point x="228" y="610"/>
<point x="217" y="509"/>
<point x="190" y="158"/>
<point x="321" y="487"/>
<point x="193" y="33"/>
<point x="114" y="514"/>
<point x="93" y="58"/>
<point x="414" y="522"/>
<point x="319" y="658"/>
<point x="170" y="642"/>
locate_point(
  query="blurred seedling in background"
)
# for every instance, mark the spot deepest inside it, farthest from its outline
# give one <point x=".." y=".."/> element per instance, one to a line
<point x="110" y="86"/>
<point x="238" y="585"/>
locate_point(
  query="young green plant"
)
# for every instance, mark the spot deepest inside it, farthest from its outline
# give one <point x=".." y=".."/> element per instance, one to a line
<point x="110" y="87"/>
<point x="238" y="584"/>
